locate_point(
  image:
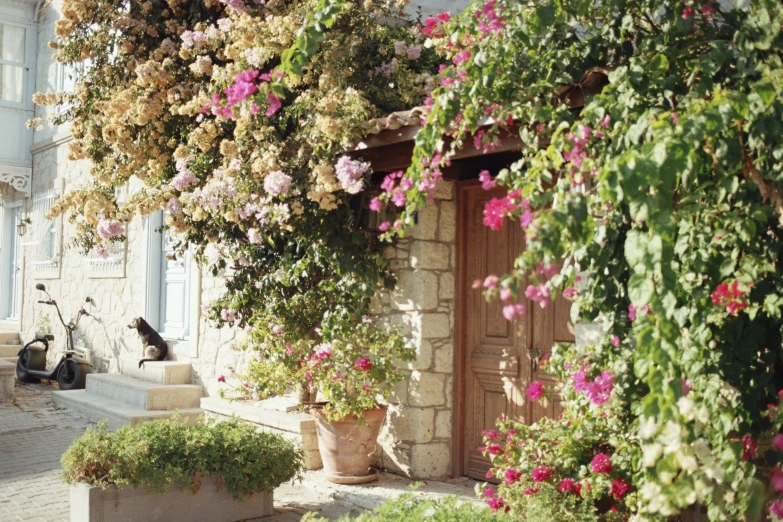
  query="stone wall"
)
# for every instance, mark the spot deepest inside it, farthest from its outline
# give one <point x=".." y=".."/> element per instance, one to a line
<point x="416" y="440"/>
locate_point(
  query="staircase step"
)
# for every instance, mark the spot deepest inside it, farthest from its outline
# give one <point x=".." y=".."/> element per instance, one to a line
<point x="9" y="350"/>
<point x="12" y="360"/>
<point x="8" y="336"/>
<point x="163" y="372"/>
<point x="115" y="413"/>
<point x="142" y="394"/>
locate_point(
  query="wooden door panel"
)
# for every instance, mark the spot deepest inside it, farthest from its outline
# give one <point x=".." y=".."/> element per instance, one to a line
<point x="493" y="358"/>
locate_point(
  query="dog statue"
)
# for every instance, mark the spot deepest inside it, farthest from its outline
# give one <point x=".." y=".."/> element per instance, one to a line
<point x="155" y="348"/>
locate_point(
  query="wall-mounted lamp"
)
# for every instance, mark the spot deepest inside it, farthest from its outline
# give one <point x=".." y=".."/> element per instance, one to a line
<point x="22" y="226"/>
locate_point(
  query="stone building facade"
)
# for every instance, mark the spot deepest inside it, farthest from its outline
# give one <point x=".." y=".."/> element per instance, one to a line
<point x="417" y="437"/>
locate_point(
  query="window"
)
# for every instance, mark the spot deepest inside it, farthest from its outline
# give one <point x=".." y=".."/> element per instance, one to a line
<point x="110" y="263"/>
<point x="42" y="241"/>
<point x="12" y="63"/>
<point x="169" y="282"/>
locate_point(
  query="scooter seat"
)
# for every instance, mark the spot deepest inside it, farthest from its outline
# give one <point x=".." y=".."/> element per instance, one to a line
<point x="39" y="336"/>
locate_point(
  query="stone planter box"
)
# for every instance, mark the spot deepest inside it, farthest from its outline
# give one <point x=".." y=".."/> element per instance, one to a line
<point x="7" y="377"/>
<point x="293" y="425"/>
<point x="129" y="504"/>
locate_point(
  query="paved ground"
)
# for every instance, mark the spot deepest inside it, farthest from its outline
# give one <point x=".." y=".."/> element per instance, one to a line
<point x="34" y="433"/>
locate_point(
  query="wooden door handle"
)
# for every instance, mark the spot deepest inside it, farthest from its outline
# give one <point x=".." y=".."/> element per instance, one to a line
<point x="535" y="353"/>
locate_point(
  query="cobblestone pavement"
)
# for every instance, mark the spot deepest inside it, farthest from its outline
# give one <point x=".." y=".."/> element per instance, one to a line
<point x="34" y="433"/>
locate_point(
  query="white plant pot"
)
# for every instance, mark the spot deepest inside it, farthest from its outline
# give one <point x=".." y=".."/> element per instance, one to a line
<point x="129" y="504"/>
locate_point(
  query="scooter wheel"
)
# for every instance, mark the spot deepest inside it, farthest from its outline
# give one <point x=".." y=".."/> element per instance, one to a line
<point x="21" y="369"/>
<point x="76" y="376"/>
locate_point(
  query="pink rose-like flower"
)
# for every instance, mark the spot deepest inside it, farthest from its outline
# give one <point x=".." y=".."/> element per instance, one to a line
<point x="363" y="364"/>
<point x="535" y="390"/>
<point x="601" y="464"/>
<point x="541" y="474"/>
<point x="222" y="378"/>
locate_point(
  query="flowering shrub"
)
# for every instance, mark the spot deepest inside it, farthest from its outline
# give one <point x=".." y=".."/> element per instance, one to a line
<point x="649" y="194"/>
<point x="353" y="370"/>
<point x="208" y="108"/>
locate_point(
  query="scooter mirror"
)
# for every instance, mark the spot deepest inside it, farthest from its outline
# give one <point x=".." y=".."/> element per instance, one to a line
<point x="40" y="287"/>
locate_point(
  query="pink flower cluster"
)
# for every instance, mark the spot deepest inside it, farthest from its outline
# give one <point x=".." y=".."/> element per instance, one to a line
<point x="108" y="228"/>
<point x="349" y="173"/>
<point x="645" y="309"/>
<point x="246" y="84"/>
<point x="495" y="210"/>
<point x="620" y="488"/>
<point x="599" y="390"/>
<point x="535" y="390"/>
<point x="363" y="364"/>
<point x="731" y="297"/>
<point x="540" y="293"/>
<point x="277" y="183"/>
<point x="601" y="464"/>
<point x="541" y="474"/>
<point x="568" y="485"/>
<point x="487" y="183"/>
<point x="185" y="177"/>
<point x="432" y="25"/>
<point x="749" y="447"/>
<point x="489" y="19"/>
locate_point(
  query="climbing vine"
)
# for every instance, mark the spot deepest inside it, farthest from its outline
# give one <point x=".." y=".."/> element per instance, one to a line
<point x="649" y="191"/>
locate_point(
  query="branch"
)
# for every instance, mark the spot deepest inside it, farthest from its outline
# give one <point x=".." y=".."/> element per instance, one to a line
<point x="768" y="191"/>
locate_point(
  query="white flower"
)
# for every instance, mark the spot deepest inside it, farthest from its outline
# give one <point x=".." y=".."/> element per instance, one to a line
<point x="687" y="407"/>
<point x="277" y="183"/>
<point x="687" y="462"/>
<point x="701" y="448"/>
<point x="715" y="472"/>
<point x="651" y="452"/>
<point x="648" y="427"/>
<point x="671" y="437"/>
<point x="703" y="415"/>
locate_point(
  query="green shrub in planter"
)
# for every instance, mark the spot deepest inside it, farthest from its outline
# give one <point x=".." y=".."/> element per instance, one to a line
<point x="158" y="454"/>
<point x="410" y="508"/>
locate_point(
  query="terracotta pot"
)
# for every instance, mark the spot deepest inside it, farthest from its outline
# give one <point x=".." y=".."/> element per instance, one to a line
<point x="346" y="447"/>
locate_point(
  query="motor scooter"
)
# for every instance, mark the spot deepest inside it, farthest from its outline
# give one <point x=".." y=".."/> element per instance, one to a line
<point x="71" y="371"/>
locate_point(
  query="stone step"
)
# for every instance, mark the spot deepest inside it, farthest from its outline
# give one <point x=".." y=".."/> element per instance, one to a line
<point x="142" y="394"/>
<point x="8" y="336"/>
<point x="9" y="350"/>
<point x="117" y="414"/>
<point x="12" y="360"/>
<point x="163" y="372"/>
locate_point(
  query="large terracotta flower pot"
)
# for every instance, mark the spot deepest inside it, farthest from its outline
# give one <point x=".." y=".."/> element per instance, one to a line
<point x="346" y="447"/>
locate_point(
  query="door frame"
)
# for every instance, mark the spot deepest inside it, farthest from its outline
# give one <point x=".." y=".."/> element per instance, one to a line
<point x="6" y="264"/>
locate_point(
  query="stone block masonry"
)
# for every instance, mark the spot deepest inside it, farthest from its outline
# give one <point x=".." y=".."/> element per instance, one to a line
<point x="416" y="438"/>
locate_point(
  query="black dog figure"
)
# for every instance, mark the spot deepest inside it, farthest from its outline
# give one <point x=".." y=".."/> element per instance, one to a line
<point x="155" y="348"/>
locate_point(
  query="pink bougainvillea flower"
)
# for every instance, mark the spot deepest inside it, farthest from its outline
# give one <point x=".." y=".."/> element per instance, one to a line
<point x="687" y="13"/>
<point x="505" y="294"/>
<point x="605" y="120"/>
<point x="222" y="378"/>
<point x="570" y="292"/>
<point x="541" y="474"/>
<point x="383" y="227"/>
<point x="512" y="476"/>
<point x="489" y="492"/>
<point x="567" y="485"/>
<point x="510" y="311"/>
<point x="601" y="464"/>
<point x="749" y="447"/>
<point x="487" y="183"/>
<point x="776" y="509"/>
<point x="496" y="504"/>
<point x="363" y="364"/>
<point x="531" y="491"/>
<point x="631" y="312"/>
<point x="620" y="488"/>
<point x="778" y="442"/>
<point x="776" y="480"/>
<point x="495" y="449"/>
<point x="495" y="210"/>
<point x="535" y="390"/>
<point x="675" y="118"/>
<point x="375" y="204"/>
<point x="615" y="341"/>
<point x="540" y="293"/>
<point x="491" y="282"/>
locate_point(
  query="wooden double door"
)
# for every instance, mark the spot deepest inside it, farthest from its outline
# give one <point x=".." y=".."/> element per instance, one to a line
<point x="496" y="359"/>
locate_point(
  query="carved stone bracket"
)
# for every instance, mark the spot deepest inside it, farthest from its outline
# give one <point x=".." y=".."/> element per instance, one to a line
<point x="17" y="177"/>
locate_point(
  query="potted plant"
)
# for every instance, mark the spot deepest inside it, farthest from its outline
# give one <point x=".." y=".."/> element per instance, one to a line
<point x="218" y="472"/>
<point x="354" y="367"/>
